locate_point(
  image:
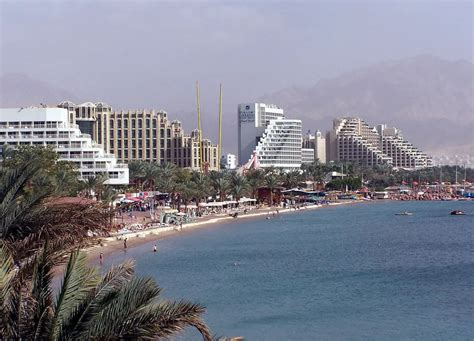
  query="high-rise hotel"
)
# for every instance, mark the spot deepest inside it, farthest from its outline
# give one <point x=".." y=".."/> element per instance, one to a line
<point x="265" y="133"/>
<point x="143" y="135"/>
<point x="52" y="127"/>
<point x="353" y="140"/>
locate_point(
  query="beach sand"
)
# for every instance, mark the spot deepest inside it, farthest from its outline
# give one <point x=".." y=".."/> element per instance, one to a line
<point x="116" y="243"/>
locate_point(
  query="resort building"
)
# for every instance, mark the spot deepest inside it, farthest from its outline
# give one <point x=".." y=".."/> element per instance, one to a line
<point x="316" y="142"/>
<point x="151" y="136"/>
<point x="353" y="140"/>
<point x="264" y="131"/>
<point x="92" y="119"/>
<point x="143" y="135"/>
<point x="307" y="155"/>
<point x="51" y="127"/>
<point x="229" y="161"/>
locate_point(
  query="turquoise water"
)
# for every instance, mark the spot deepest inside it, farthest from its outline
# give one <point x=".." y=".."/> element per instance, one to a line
<point x="348" y="272"/>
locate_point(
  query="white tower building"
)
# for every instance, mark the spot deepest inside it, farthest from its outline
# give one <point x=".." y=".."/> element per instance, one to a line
<point x="264" y="130"/>
<point x="51" y="127"/>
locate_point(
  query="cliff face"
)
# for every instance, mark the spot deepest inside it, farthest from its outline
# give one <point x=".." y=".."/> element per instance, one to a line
<point x="430" y="99"/>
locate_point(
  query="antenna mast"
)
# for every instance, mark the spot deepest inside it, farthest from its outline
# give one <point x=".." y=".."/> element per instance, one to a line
<point x="219" y="146"/>
<point x="199" y="126"/>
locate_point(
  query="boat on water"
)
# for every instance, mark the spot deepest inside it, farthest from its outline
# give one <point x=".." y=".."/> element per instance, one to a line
<point x="404" y="213"/>
<point x="457" y="212"/>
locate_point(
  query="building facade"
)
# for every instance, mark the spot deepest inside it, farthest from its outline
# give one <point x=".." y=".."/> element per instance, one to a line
<point x="353" y="140"/>
<point x="264" y="130"/>
<point x="316" y="142"/>
<point x="307" y="155"/>
<point x="92" y="119"/>
<point x="142" y="135"/>
<point x="229" y="161"/>
<point x="51" y="127"/>
<point x="151" y="136"/>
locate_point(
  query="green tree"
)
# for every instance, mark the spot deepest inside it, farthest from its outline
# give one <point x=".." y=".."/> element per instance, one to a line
<point x="271" y="182"/>
<point x="117" y="305"/>
<point x="238" y="185"/>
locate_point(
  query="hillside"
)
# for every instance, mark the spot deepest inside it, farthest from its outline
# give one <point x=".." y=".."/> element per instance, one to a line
<point x="19" y="90"/>
<point x="430" y="99"/>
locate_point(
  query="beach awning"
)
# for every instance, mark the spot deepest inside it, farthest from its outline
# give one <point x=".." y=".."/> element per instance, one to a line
<point x="244" y="199"/>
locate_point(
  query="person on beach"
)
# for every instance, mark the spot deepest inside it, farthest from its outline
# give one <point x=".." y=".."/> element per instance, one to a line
<point x="125" y="243"/>
<point x="154" y="248"/>
<point x="180" y="225"/>
<point x="101" y="258"/>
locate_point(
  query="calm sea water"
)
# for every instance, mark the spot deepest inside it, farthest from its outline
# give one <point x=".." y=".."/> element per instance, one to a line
<point x="348" y="272"/>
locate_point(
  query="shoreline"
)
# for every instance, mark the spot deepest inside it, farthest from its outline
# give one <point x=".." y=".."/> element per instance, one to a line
<point x="111" y="244"/>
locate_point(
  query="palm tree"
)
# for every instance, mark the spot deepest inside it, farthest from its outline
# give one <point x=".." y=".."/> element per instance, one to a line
<point x="221" y="186"/>
<point x="93" y="185"/>
<point x="150" y="175"/>
<point x="88" y="306"/>
<point x="292" y="179"/>
<point x="201" y="186"/>
<point x="238" y="185"/>
<point x="255" y="179"/>
<point x="136" y="170"/>
<point x="30" y="213"/>
<point x="271" y="182"/>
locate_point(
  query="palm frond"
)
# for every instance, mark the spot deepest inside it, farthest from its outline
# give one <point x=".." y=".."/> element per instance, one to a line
<point x="165" y="319"/>
<point x="78" y="281"/>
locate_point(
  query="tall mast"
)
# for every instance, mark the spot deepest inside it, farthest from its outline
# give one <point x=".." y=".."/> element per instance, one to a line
<point x="219" y="145"/>
<point x="199" y="126"/>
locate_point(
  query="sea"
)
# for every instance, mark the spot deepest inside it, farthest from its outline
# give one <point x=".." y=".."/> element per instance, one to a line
<point x="348" y="272"/>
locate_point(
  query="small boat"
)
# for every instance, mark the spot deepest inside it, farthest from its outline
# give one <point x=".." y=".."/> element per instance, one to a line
<point x="457" y="212"/>
<point x="404" y="213"/>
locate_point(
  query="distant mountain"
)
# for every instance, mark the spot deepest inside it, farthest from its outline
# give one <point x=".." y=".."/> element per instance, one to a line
<point x="19" y="90"/>
<point x="430" y="99"/>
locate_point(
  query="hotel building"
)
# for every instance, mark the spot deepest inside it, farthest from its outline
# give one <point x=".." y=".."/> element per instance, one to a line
<point x="51" y="127"/>
<point x="353" y="140"/>
<point x="264" y="130"/>
<point x="143" y="135"/>
<point x="229" y="161"/>
<point x="316" y="142"/>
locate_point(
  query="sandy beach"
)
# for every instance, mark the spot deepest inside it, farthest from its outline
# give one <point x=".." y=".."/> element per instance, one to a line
<point x="116" y="243"/>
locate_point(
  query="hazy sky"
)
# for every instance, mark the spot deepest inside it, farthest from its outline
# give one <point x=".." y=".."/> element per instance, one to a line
<point x="135" y="54"/>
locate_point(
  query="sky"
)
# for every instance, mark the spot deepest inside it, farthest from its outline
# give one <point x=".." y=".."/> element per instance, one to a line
<point x="149" y="54"/>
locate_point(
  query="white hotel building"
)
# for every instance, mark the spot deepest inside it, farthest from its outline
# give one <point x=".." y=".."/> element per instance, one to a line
<point x="353" y="140"/>
<point x="51" y="127"/>
<point x="264" y="130"/>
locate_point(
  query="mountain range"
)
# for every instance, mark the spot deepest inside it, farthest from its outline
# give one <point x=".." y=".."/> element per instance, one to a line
<point x="430" y="99"/>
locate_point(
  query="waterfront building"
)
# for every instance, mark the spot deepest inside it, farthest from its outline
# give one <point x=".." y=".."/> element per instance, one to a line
<point x="307" y="155"/>
<point x="151" y="136"/>
<point x="229" y="161"/>
<point x="353" y="140"/>
<point x="316" y="142"/>
<point x="92" y="119"/>
<point x="264" y="131"/>
<point x="52" y="127"/>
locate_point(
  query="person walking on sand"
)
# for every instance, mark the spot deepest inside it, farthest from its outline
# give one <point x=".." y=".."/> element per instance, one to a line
<point x="125" y="243"/>
<point x="101" y="258"/>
